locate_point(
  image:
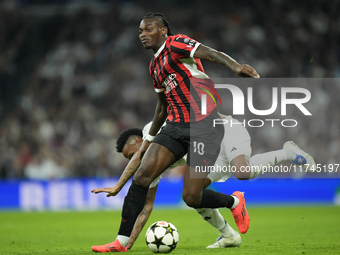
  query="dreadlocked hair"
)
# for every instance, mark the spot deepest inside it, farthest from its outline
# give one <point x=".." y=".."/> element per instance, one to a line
<point x="125" y="135"/>
<point x="159" y="16"/>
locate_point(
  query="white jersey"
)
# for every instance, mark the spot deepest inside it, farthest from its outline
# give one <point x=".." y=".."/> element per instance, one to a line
<point x="236" y="141"/>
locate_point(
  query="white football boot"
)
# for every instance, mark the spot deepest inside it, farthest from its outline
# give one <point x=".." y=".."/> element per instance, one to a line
<point x="302" y="157"/>
<point x="224" y="242"/>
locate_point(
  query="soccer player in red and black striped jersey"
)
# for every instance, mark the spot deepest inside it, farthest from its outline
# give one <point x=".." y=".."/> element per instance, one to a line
<point x="182" y="87"/>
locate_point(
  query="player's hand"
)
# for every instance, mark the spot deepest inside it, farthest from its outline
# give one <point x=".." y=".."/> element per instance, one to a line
<point x="110" y="191"/>
<point x="246" y="71"/>
<point x="130" y="243"/>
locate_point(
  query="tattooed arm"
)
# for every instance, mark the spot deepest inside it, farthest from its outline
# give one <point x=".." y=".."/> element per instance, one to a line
<point x="129" y="170"/>
<point x="143" y="216"/>
<point x="218" y="57"/>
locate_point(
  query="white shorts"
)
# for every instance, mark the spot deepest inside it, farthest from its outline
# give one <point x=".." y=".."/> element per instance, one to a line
<point x="155" y="182"/>
<point x="236" y="141"/>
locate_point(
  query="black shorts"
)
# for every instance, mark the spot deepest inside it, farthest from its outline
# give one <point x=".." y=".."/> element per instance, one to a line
<point x="201" y="139"/>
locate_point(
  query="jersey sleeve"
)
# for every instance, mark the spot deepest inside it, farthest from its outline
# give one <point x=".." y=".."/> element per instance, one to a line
<point x="157" y="87"/>
<point x="146" y="129"/>
<point x="184" y="45"/>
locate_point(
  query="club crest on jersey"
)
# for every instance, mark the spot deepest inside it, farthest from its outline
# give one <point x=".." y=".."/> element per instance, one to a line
<point x="190" y="43"/>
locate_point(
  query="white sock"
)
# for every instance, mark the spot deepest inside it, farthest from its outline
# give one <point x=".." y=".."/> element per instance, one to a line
<point x="236" y="201"/>
<point x="123" y="240"/>
<point x="215" y="219"/>
<point x="228" y="231"/>
<point x="212" y="216"/>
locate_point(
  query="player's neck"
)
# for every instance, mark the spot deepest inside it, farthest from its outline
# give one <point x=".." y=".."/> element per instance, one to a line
<point x="161" y="42"/>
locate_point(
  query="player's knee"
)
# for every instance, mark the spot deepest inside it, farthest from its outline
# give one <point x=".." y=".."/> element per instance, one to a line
<point x="242" y="177"/>
<point x="142" y="178"/>
<point x="191" y="200"/>
<point x="206" y="183"/>
<point x="241" y="167"/>
<point x="242" y="174"/>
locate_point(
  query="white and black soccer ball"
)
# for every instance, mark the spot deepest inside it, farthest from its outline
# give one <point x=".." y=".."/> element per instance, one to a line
<point x="162" y="237"/>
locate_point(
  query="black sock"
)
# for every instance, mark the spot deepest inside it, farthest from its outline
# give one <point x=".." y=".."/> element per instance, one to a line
<point x="213" y="199"/>
<point x="133" y="205"/>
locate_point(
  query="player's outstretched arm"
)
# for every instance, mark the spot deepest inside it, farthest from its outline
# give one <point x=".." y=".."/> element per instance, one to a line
<point x="128" y="172"/>
<point x="143" y="216"/>
<point x="132" y="166"/>
<point x="207" y="53"/>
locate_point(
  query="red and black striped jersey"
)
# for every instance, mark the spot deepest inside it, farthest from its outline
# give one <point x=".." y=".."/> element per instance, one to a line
<point x="182" y="78"/>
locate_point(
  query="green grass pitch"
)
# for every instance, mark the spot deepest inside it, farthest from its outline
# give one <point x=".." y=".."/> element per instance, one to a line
<point x="280" y="230"/>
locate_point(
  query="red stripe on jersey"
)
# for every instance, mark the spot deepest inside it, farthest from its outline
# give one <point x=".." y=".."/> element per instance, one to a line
<point x="174" y="114"/>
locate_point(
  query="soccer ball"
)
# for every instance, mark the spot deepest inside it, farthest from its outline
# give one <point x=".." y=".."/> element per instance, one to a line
<point x="162" y="237"/>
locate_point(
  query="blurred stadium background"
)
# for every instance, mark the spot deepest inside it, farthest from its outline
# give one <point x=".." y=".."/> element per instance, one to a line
<point x="73" y="75"/>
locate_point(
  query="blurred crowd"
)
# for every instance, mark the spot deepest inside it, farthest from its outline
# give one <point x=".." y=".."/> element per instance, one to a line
<point x="71" y="79"/>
